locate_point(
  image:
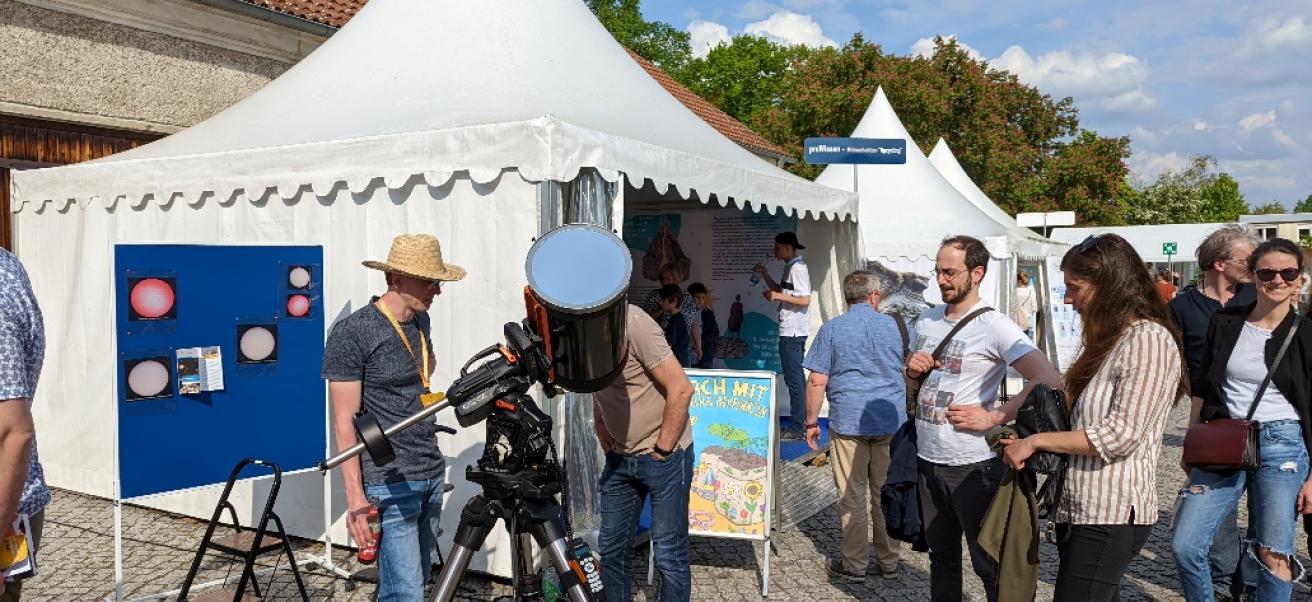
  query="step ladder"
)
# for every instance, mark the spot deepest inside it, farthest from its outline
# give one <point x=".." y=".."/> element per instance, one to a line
<point x="246" y="544"/>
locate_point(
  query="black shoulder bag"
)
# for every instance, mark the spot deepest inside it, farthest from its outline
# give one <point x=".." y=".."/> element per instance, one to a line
<point x="914" y="384"/>
<point x="1045" y="411"/>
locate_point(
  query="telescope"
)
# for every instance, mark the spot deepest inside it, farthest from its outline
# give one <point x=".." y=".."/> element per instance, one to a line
<point x="573" y="338"/>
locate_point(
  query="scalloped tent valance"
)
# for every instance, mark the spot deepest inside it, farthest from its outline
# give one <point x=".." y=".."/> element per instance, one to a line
<point x="418" y="88"/>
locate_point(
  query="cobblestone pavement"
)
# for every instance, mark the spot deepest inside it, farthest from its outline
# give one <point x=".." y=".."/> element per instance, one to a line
<point x="77" y="557"/>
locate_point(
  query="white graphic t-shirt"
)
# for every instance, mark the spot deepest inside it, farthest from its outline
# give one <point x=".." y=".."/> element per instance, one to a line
<point x="974" y="364"/>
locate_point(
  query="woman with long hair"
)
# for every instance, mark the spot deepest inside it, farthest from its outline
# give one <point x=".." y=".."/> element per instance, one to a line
<point x="1122" y="386"/>
<point x="1242" y="343"/>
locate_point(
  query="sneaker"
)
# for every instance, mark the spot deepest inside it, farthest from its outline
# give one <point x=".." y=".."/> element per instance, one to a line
<point x="889" y="572"/>
<point x="835" y="568"/>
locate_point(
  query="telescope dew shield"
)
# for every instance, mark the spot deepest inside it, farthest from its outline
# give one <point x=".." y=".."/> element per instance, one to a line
<point x="577" y="298"/>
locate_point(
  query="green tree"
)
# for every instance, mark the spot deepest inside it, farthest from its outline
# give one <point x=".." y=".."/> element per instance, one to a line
<point x="659" y="42"/>
<point x="1272" y="208"/>
<point x="1190" y="195"/>
<point x="1222" y="201"/>
<point x="744" y="76"/>
<point x="1022" y="147"/>
<point x="1304" y="206"/>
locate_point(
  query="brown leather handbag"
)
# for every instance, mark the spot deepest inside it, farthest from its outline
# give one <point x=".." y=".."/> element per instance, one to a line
<point x="1230" y="444"/>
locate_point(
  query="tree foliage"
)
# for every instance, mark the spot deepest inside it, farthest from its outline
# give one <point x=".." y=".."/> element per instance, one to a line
<point x="1304" y="206"/>
<point x="1272" y="208"/>
<point x="1191" y="195"/>
<point x="744" y="76"/>
<point x="667" y="47"/>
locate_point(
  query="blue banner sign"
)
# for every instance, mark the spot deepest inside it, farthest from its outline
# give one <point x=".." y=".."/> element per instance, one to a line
<point x="883" y="151"/>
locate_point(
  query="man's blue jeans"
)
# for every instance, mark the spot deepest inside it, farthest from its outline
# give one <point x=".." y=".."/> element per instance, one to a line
<point x="791" y="350"/>
<point x="410" y="512"/>
<point x="1273" y="490"/>
<point x="625" y="483"/>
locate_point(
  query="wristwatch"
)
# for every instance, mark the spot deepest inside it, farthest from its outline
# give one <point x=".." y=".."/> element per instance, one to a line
<point x="664" y="453"/>
<point x="813" y="425"/>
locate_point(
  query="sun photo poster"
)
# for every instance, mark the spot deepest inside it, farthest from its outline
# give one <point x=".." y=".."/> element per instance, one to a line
<point x="731" y="413"/>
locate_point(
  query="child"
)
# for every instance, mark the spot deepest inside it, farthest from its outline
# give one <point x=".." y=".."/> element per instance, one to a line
<point x="676" y="328"/>
<point x="710" y="328"/>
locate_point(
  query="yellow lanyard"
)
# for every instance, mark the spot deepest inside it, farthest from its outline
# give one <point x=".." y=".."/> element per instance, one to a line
<point x="423" y="344"/>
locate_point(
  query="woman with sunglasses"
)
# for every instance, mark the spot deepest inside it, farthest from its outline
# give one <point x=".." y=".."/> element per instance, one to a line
<point x="1241" y="344"/>
<point x="1123" y="384"/>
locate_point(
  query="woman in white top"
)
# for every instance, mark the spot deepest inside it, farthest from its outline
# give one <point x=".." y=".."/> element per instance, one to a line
<point x="1241" y="344"/>
<point x="1122" y="386"/>
<point x="1024" y="306"/>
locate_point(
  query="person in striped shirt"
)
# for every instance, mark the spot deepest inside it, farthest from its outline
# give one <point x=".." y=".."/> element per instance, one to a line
<point x="1122" y="386"/>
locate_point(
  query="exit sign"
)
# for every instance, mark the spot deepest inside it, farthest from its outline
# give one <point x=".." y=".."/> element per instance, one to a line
<point x="1168" y="248"/>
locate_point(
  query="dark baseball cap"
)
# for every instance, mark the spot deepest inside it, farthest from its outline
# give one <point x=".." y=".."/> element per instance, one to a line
<point x="788" y="238"/>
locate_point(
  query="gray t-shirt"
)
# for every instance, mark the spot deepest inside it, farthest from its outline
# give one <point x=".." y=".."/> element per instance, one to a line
<point x="364" y="347"/>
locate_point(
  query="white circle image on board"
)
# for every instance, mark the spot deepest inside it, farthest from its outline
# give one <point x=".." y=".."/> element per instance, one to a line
<point x="257" y="344"/>
<point x="299" y="277"/>
<point x="148" y="379"/>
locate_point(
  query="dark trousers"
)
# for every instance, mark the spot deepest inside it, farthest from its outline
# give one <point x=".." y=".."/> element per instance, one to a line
<point x="1094" y="559"/>
<point x="625" y="483"/>
<point x="953" y="502"/>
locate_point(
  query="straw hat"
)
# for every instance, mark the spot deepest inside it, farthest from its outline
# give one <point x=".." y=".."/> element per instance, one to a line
<point x="418" y="256"/>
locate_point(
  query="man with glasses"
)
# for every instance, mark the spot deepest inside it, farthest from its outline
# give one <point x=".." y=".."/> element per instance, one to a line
<point x="1223" y="257"/>
<point x="959" y="474"/>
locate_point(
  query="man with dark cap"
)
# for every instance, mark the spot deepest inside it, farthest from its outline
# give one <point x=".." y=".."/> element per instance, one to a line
<point x="793" y="292"/>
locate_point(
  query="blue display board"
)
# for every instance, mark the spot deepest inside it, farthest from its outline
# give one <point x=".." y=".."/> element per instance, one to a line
<point x="262" y="307"/>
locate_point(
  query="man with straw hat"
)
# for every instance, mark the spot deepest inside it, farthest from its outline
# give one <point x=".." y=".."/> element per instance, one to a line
<point x="378" y="360"/>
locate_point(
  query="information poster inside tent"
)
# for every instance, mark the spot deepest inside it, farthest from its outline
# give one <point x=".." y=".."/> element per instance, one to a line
<point x="730" y="415"/>
<point x="717" y="247"/>
<point x="912" y="287"/>
<point x="1067" y="329"/>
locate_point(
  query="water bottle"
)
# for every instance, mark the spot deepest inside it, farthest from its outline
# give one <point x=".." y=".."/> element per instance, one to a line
<point x="369" y="553"/>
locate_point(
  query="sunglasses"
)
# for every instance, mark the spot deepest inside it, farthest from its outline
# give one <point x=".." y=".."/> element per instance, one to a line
<point x="1287" y="274"/>
<point x="1089" y="243"/>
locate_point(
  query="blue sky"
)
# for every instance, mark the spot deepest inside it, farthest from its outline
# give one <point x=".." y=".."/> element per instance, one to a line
<point x="1229" y="79"/>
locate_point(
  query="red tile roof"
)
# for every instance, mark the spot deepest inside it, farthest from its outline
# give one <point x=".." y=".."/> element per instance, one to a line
<point x="336" y="13"/>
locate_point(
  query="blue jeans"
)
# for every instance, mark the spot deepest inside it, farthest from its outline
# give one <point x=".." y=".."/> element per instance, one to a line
<point x="790" y="356"/>
<point x="625" y="482"/>
<point x="410" y="512"/>
<point x="1273" y="491"/>
<point x="1225" y="555"/>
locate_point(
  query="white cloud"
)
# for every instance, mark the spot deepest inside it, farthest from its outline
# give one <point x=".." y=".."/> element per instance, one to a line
<point x="1287" y="107"/>
<point x="925" y="47"/>
<point x="788" y="27"/>
<point x="1055" y="24"/>
<point x="707" y="35"/>
<point x="1141" y="134"/>
<point x="1269" y="33"/>
<point x="1113" y="80"/>
<point x="1257" y="120"/>
<point x="1148" y="165"/>
<point x="1202" y="126"/>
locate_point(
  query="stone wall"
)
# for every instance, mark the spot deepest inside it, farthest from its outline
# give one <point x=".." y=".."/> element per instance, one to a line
<point x="62" y="66"/>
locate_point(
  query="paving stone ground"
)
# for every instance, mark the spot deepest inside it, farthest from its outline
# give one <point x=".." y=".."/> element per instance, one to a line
<point x="77" y="554"/>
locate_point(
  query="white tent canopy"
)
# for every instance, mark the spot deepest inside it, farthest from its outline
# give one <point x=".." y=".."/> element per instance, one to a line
<point x="907" y="209"/>
<point x="1022" y="241"/>
<point x="453" y="118"/>
<point x="412" y="87"/>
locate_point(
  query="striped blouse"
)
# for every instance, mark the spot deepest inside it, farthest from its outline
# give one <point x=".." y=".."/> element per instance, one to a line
<point x="1123" y="411"/>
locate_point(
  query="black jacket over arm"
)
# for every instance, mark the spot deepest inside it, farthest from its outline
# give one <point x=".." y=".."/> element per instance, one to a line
<point x="1293" y="377"/>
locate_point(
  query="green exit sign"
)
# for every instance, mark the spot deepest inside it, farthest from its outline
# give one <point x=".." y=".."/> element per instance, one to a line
<point x="1168" y="248"/>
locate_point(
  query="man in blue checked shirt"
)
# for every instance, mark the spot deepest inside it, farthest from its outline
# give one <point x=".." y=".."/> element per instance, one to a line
<point x="22" y="349"/>
<point x="856" y="361"/>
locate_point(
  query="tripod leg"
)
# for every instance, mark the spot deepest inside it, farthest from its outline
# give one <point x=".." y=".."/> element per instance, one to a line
<point x="476" y="521"/>
<point x="545" y="524"/>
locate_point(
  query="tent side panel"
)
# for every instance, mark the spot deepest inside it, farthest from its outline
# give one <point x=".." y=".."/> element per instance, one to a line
<point x="486" y="228"/>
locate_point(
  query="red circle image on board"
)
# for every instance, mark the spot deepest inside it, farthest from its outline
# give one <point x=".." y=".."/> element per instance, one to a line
<point x="298" y="305"/>
<point x="152" y="298"/>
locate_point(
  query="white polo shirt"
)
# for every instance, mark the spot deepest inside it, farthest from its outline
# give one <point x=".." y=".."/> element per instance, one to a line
<point x="795" y="320"/>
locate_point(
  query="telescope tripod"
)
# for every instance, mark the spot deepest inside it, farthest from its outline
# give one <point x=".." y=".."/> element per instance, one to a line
<point x="534" y="521"/>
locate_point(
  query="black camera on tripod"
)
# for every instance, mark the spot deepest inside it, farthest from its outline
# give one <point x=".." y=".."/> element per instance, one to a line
<point x="573" y="338"/>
